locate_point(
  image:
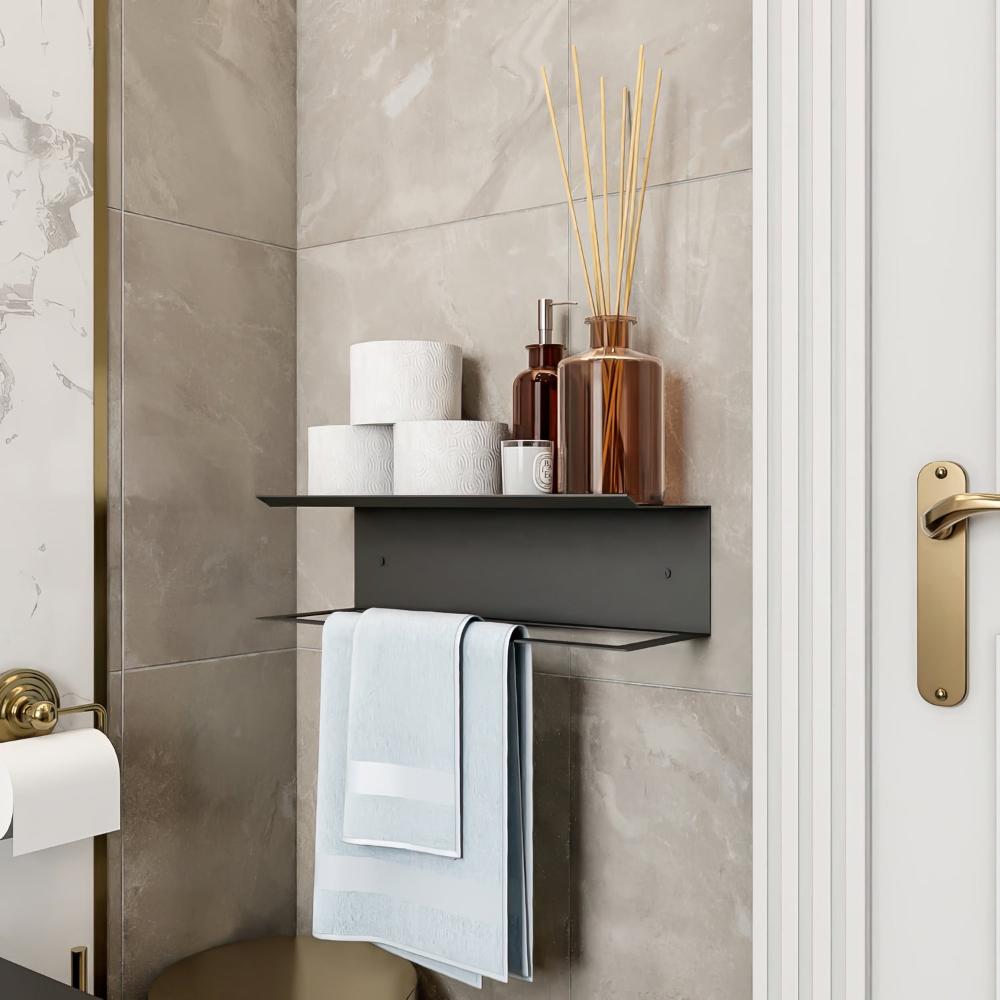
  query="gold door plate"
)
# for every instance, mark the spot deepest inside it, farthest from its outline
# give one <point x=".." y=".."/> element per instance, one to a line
<point x="942" y="665"/>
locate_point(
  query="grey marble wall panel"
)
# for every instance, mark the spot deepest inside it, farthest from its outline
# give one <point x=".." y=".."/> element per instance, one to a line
<point x="209" y="114"/>
<point x="209" y="422"/>
<point x="704" y="48"/>
<point x="431" y="111"/>
<point x="114" y="277"/>
<point x="661" y="826"/>
<point x="114" y="103"/>
<point x="209" y="805"/>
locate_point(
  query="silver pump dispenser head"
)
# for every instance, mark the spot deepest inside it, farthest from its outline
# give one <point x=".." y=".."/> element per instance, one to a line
<point x="545" y="319"/>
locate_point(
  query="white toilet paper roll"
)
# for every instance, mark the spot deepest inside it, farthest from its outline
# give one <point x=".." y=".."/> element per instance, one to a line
<point x="350" y="461"/>
<point x="397" y="380"/>
<point x="58" y="788"/>
<point x="448" y="457"/>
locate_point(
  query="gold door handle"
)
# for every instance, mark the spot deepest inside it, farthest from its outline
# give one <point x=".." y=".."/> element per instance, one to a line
<point x="940" y="520"/>
<point x="943" y="507"/>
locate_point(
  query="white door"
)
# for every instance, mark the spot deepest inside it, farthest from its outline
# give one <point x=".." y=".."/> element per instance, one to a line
<point x="46" y="424"/>
<point x="934" y="397"/>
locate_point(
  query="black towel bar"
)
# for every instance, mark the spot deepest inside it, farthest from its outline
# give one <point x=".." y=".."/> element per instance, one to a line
<point x="650" y="639"/>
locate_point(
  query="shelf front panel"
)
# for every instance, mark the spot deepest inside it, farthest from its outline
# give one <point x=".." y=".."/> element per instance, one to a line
<point x="606" y="567"/>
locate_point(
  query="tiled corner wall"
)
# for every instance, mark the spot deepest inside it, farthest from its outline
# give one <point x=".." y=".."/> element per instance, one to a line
<point x="429" y="207"/>
<point x="202" y="218"/>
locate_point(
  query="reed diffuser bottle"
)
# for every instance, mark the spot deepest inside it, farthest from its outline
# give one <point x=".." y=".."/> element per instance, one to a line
<point x="611" y="397"/>
<point x="611" y="416"/>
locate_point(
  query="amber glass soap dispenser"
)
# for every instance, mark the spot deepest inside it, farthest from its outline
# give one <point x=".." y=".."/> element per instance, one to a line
<point x="536" y="389"/>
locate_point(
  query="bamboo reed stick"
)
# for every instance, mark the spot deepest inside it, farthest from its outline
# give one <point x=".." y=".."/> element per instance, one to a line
<point x="642" y="197"/>
<point x="621" y="178"/>
<point x="568" y="189"/>
<point x="630" y="176"/>
<point x="604" y="172"/>
<point x="595" y="244"/>
<point x="637" y="141"/>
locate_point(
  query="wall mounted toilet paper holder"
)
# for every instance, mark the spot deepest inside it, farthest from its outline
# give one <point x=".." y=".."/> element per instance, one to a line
<point x="29" y="706"/>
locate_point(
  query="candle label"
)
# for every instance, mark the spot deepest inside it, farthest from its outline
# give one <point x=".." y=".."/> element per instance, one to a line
<point x="541" y="471"/>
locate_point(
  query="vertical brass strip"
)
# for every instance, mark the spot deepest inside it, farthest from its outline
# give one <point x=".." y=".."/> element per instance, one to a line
<point x="100" y="327"/>
<point x="78" y="968"/>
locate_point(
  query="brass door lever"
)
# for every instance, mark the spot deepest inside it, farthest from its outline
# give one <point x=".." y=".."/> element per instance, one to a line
<point x="940" y="519"/>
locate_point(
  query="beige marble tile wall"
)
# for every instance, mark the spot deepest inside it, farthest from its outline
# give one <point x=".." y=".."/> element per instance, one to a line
<point x="429" y="207"/>
<point x="202" y="178"/>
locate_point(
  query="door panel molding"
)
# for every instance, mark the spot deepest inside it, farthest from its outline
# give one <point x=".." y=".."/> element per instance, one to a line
<point x="811" y="500"/>
<point x="996" y="486"/>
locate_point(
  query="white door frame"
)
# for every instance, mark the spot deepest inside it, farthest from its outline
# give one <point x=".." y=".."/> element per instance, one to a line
<point x="811" y="500"/>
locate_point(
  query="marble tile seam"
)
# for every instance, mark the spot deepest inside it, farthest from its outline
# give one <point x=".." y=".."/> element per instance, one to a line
<point x="127" y="212"/>
<point x="205" y="659"/>
<point x="652" y="684"/>
<point x="680" y="182"/>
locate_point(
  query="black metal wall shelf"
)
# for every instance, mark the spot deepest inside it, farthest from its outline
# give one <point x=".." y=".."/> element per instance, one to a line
<point x="549" y="563"/>
<point x="559" y="501"/>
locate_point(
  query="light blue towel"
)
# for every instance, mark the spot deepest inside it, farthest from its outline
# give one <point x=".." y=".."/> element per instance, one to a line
<point x="404" y="732"/>
<point x="468" y="917"/>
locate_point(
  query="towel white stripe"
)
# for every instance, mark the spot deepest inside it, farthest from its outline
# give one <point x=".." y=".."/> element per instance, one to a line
<point x="465" y="898"/>
<point x="420" y="784"/>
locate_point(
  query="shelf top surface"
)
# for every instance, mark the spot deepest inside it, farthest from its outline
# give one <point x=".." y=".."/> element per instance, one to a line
<point x="556" y="501"/>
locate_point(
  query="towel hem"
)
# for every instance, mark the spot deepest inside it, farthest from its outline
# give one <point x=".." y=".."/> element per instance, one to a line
<point x="401" y="846"/>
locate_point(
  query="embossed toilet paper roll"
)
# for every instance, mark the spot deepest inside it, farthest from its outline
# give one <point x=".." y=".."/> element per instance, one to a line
<point x="59" y="788"/>
<point x="397" y="380"/>
<point x="350" y="461"/>
<point x="448" y="457"/>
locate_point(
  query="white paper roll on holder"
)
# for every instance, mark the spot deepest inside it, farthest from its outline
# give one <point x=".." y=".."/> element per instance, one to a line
<point x="29" y="706"/>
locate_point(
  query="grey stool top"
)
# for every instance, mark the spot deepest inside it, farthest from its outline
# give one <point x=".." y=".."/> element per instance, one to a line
<point x="287" y="968"/>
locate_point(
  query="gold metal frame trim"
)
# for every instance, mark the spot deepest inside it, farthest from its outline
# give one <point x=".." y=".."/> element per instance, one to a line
<point x="100" y="445"/>
<point x="78" y="968"/>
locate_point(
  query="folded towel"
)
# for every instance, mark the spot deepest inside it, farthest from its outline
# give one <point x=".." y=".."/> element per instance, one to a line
<point x="468" y="917"/>
<point x="404" y="732"/>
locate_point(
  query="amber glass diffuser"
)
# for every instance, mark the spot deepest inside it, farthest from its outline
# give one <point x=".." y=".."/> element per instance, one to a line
<point x="611" y="397"/>
<point x="611" y="416"/>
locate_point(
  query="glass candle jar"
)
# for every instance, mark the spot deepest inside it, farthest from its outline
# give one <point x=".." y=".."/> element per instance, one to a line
<point x="611" y="416"/>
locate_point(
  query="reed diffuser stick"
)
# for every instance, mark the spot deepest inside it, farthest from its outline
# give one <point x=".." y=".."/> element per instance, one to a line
<point x="630" y="176"/>
<point x="621" y="178"/>
<point x="604" y="173"/>
<point x="569" y="190"/>
<point x="595" y="244"/>
<point x="642" y="197"/>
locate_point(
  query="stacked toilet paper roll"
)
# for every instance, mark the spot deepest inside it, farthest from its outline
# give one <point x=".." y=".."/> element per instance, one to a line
<point x="405" y="434"/>
<point x="397" y="380"/>
<point x="350" y="461"/>
<point x="447" y="457"/>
